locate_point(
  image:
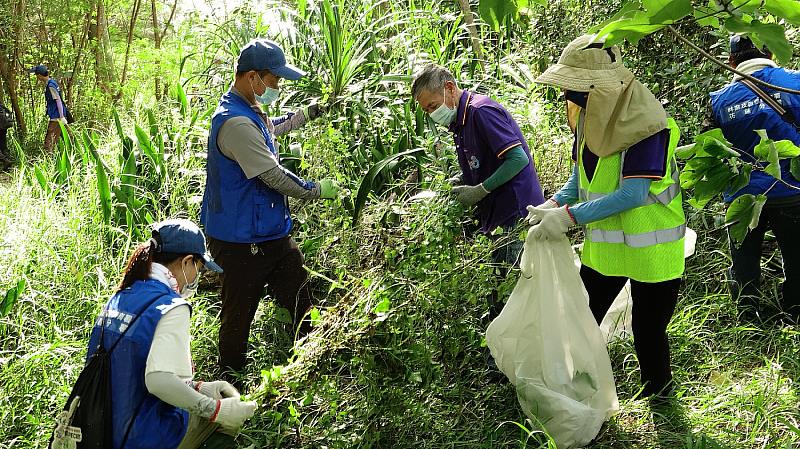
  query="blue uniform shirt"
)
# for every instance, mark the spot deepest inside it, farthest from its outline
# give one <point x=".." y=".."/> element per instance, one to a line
<point x="738" y="112"/>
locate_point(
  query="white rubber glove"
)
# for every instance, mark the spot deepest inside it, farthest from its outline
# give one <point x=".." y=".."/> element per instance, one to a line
<point x="534" y="217"/>
<point x="469" y="195"/>
<point x="233" y="413"/>
<point x="554" y="223"/>
<point x="218" y="390"/>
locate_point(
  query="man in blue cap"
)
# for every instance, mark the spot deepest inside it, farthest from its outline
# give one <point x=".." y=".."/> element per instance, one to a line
<point x="56" y="109"/>
<point x="245" y="207"/>
<point x="739" y="111"/>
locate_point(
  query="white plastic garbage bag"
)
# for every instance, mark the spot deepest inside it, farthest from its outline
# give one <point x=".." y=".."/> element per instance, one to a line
<point x="618" y="320"/>
<point x="548" y="344"/>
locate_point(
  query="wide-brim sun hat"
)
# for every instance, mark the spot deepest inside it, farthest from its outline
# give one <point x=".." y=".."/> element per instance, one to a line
<point x="584" y="65"/>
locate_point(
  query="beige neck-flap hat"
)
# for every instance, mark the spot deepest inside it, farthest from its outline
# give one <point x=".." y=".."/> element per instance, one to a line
<point x="620" y="110"/>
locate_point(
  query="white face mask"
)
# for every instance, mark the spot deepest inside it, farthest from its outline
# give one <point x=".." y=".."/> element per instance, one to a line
<point x="444" y="115"/>
<point x="269" y="96"/>
<point x="189" y="289"/>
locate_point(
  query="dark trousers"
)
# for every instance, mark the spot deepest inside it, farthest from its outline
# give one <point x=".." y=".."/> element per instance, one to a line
<point x="653" y="306"/>
<point x="505" y="256"/>
<point x="52" y="136"/>
<point x="276" y="267"/>
<point x="746" y="270"/>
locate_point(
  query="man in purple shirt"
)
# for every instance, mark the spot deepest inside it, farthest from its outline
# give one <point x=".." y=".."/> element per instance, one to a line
<point x="497" y="172"/>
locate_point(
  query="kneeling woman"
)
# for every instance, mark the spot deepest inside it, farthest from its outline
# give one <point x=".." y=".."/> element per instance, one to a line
<point x="155" y="403"/>
<point x="625" y="191"/>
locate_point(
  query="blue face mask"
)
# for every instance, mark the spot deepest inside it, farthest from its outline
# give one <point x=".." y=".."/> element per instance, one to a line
<point x="269" y="96"/>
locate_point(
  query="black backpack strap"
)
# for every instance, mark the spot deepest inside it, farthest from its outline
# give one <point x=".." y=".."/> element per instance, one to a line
<point x="785" y="114"/>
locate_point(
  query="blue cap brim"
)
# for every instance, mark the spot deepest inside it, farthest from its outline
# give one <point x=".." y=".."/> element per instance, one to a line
<point x="288" y="72"/>
<point x="209" y="263"/>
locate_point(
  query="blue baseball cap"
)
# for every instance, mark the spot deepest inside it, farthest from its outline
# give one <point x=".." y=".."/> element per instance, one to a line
<point x="40" y="69"/>
<point x="263" y="54"/>
<point x="741" y="43"/>
<point x="181" y="236"/>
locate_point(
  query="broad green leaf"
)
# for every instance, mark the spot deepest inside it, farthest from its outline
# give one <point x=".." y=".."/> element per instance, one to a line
<point x="787" y="9"/>
<point x="667" y="11"/>
<point x="771" y="34"/>
<point x="744" y="6"/>
<point x="628" y="9"/>
<point x="367" y="181"/>
<point x="794" y="168"/>
<point x="631" y="28"/>
<point x="743" y="215"/>
<point x="705" y="16"/>
<point x="767" y="151"/>
<point x="742" y="179"/>
<point x="715" y="182"/>
<point x="495" y="12"/>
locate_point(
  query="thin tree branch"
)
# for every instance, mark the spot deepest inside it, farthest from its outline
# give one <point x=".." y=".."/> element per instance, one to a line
<point x="716" y="61"/>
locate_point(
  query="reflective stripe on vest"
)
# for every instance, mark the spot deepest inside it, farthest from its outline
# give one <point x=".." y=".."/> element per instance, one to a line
<point x="639" y="240"/>
<point x="665" y="197"/>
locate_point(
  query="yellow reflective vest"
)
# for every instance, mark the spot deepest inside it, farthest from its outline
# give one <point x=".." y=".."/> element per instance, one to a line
<point x="644" y="243"/>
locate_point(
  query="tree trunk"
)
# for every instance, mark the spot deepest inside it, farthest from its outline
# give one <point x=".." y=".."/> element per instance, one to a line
<point x="9" y="81"/>
<point x="78" y="56"/>
<point x="104" y="59"/>
<point x="157" y="44"/>
<point x="131" y="27"/>
<point x="473" y="31"/>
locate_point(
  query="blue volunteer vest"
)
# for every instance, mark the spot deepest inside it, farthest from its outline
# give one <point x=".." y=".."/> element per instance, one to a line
<point x="157" y="425"/>
<point x="52" y="107"/>
<point x="236" y="209"/>
<point x="739" y="111"/>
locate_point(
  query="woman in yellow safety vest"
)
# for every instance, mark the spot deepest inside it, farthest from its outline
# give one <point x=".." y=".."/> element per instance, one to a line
<point x="625" y="192"/>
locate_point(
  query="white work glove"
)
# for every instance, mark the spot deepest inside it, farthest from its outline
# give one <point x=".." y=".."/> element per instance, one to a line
<point x="233" y="412"/>
<point x="534" y="216"/>
<point x="217" y="390"/>
<point x="63" y="120"/>
<point x="553" y="224"/>
<point x="469" y="195"/>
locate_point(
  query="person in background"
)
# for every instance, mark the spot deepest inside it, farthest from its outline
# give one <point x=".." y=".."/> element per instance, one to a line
<point x="625" y="191"/>
<point x="739" y="111"/>
<point x="245" y="208"/>
<point x="155" y="402"/>
<point x="56" y="109"/>
<point x="498" y="176"/>
<point x="6" y="122"/>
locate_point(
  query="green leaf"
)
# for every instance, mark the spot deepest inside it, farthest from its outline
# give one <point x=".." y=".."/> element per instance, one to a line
<point x="787" y="9"/>
<point x="495" y="12"/>
<point x="742" y="179"/>
<point x="628" y="9"/>
<point x="631" y="28"/>
<point x="667" y="11"/>
<point x="767" y="150"/>
<point x="743" y="215"/>
<point x="794" y="168"/>
<point x="11" y="297"/>
<point x="367" y="181"/>
<point x="715" y="182"/>
<point x="704" y="16"/>
<point x="771" y="34"/>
